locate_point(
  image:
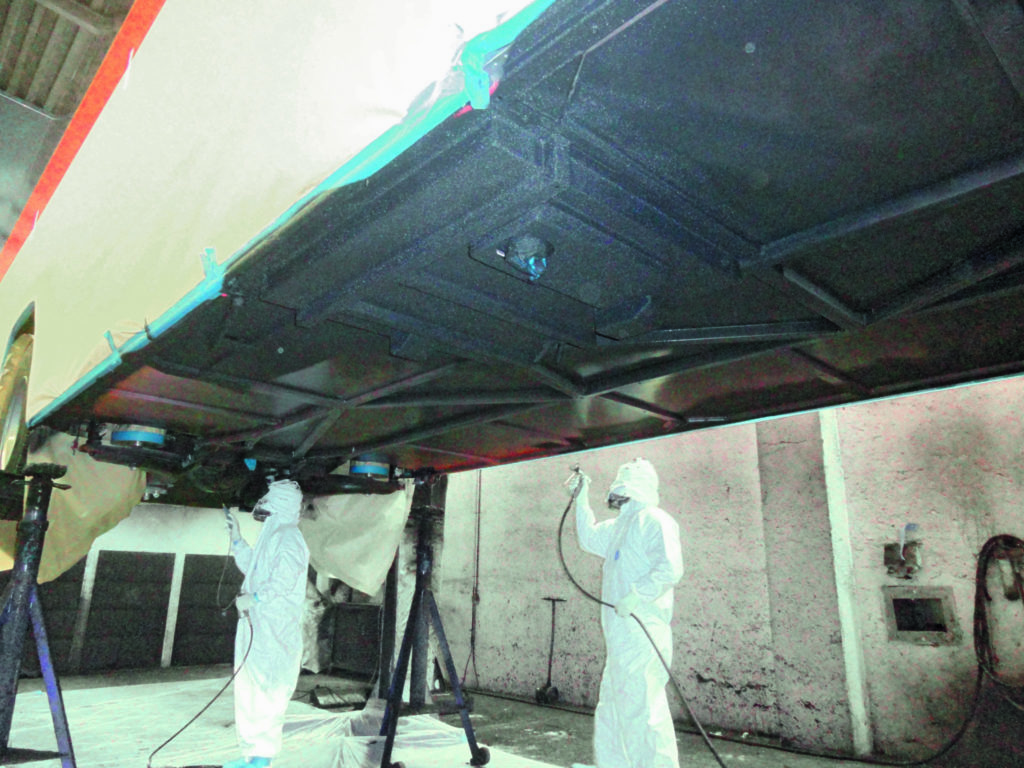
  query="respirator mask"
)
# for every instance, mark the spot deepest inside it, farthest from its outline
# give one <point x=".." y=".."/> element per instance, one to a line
<point x="616" y="500"/>
<point x="260" y="512"/>
<point x="635" y="481"/>
<point x="283" y="497"/>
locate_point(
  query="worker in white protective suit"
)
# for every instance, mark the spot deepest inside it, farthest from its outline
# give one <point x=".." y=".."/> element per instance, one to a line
<point x="642" y="563"/>
<point x="270" y="617"/>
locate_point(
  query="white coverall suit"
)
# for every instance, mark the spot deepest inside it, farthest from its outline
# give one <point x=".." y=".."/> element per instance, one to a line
<point x="275" y="574"/>
<point x="642" y="562"/>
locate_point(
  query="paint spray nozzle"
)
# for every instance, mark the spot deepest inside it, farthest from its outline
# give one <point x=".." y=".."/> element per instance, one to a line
<point x="574" y="482"/>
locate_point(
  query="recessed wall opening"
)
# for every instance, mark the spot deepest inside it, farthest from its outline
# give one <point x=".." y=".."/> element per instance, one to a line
<point x="919" y="614"/>
<point x="923" y="615"/>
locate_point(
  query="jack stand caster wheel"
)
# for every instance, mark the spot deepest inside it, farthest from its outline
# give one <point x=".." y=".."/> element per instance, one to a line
<point x="482" y="757"/>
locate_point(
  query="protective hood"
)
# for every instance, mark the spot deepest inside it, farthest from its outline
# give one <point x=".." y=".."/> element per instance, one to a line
<point x="637" y="480"/>
<point x="282" y="501"/>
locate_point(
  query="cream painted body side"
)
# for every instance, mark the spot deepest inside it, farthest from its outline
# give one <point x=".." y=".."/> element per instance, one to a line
<point x="227" y="115"/>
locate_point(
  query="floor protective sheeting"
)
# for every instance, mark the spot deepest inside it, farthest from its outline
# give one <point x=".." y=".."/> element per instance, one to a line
<point x="119" y="727"/>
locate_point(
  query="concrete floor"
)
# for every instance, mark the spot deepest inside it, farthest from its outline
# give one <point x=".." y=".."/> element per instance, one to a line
<point x="553" y="735"/>
<point x="562" y="736"/>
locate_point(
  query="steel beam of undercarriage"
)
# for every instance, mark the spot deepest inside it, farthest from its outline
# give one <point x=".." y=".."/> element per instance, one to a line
<point x="785" y="249"/>
<point x="83" y="16"/>
<point x="416" y="434"/>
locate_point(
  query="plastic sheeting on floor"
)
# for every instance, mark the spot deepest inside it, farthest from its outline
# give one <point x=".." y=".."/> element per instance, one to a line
<point x="119" y="727"/>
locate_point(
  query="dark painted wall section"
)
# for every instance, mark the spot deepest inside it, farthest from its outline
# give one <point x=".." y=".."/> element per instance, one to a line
<point x="129" y="611"/>
<point x="356" y="637"/>
<point x="59" y="599"/>
<point x="205" y="631"/>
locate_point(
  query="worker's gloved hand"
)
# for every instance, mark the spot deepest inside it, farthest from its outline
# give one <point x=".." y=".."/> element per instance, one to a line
<point x="628" y="604"/>
<point x="246" y="601"/>
<point x="234" y="531"/>
<point x="577" y="480"/>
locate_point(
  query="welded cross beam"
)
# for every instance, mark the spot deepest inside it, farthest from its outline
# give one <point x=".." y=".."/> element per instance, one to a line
<point x="643" y="405"/>
<point x="1002" y="24"/>
<point x="416" y="434"/>
<point x="826" y="372"/>
<point x="482" y="460"/>
<point x="944" y="193"/>
<point x="244" y="384"/>
<point x="216" y="410"/>
<point x="729" y="334"/>
<point x="960" y="276"/>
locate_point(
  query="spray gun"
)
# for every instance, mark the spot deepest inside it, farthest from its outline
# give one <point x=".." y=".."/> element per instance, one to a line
<point x="234" y="532"/>
<point x="574" y="481"/>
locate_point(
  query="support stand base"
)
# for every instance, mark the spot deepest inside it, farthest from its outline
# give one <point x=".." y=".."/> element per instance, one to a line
<point x="443" y="703"/>
<point x="15" y="756"/>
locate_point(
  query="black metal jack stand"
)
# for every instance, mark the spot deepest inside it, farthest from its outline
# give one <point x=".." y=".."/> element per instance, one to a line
<point x="423" y="597"/>
<point x="21" y="608"/>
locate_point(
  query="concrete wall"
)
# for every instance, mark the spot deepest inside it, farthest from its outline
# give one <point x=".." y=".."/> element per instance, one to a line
<point x="951" y="463"/>
<point x="810" y="679"/>
<point x="758" y="641"/>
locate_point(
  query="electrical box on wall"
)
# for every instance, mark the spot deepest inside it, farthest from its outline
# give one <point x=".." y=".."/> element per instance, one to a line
<point x="902" y="560"/>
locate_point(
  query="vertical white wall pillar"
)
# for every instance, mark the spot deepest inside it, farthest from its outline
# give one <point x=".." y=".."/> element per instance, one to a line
<point x="84" y="604"/>
<point x="172" y="610"/>
<point x="323" y="583"/>
<point x="842" y="549"/>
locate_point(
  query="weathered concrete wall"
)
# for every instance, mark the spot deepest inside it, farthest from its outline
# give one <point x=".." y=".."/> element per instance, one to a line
<point x="810" y="680"/>
<point x="951" y="463"/>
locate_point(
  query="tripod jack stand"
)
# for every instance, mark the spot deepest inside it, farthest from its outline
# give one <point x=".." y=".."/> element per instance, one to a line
<point x="21" y="608"/>
<point x="423" y="597"/>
